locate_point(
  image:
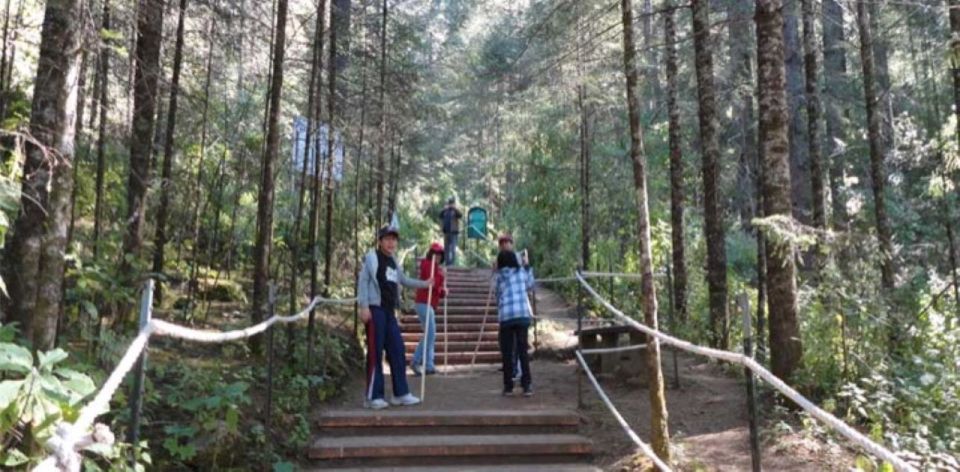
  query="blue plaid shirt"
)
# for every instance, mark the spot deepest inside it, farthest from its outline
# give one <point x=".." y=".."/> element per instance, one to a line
<point x="512" y="286"/>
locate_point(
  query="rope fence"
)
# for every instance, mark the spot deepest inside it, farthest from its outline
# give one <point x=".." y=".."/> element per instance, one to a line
<point x="70" y="438"/>
<point x="647" y="451"/>
<point x="828" y="419"/>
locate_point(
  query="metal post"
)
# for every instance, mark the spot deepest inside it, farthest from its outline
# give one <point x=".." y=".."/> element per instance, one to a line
<point x="744" y="303"/>
<point x="579" y="303"/>
<point x="136" y="399"/>
<point x="672" y="322"/>
<point x="272" y="301"/>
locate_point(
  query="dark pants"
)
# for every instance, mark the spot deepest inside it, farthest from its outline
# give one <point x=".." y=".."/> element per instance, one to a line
<point x="513" y="342"/>
<point x="383" y="333"/>
<point x="450" y="248"/>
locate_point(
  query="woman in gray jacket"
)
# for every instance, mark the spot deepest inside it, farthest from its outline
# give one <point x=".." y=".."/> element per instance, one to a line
<point x="378" y="295"/>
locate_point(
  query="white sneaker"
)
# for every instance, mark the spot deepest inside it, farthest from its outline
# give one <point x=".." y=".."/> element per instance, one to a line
<point x="376" y="404"/>
<point x="405" y="400"/>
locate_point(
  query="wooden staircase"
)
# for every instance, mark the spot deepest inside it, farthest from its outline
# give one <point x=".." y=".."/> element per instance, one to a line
<point x="466" y="304"/>
<point x="409" y="439"/>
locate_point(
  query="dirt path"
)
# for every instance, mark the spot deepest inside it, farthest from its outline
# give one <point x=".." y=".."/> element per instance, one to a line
<point x="708" y="418"/>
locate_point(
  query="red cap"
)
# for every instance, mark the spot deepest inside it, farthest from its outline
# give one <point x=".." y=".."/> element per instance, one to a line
<point x="436" y="247"/>
<point x="504" y="238"/>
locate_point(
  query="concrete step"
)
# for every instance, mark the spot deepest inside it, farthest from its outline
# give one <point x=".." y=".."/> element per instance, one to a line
<point x="469" y="422"/>
<point x="491" y="326"/>
<point x="460" y="336"/>
<point x="463" y="449"/>
<point x="487" y="346"/>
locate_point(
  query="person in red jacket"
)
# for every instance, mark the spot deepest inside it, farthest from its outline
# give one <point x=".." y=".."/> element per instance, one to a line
<point x="430" y="265"/>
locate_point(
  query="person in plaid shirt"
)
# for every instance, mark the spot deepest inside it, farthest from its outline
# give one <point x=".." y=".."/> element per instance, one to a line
<point x="515" y="316"/>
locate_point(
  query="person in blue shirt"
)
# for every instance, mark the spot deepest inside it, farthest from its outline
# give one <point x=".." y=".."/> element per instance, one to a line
<point x="450" y="224"/>
<point x="514" y="278"/>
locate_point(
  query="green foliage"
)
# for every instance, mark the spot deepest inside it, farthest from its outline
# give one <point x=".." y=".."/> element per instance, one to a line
<point x="35" y="395"/>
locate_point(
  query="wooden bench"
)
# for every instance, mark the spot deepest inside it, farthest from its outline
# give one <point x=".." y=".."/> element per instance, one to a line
<point x="629" y="363"/>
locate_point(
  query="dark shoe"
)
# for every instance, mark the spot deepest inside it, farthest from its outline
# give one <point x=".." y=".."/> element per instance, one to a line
<point x="416" y="370"/>
<point x="528" y="392"/>
<point x="431" y="371"/>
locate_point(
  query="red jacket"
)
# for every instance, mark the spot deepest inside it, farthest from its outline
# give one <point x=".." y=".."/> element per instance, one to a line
<point x="438" y="290"/>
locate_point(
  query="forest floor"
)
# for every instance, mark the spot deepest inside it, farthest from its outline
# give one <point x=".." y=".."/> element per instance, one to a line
<point x="707" y="414"/>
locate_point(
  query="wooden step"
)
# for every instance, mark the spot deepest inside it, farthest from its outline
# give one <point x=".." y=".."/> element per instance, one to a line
<point x="460" y="336"/>
<point x="488" y="346"/>
<point x="461" y="358"/>
<point x="492" y="326"/>
<point x="465" y="417"/>
<point x="469" y="449"/>
<point x="474" y="468"/>
<point x="453" y="319"/>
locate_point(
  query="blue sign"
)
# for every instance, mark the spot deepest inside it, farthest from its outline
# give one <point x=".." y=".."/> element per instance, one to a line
<point x="477" y="223"/>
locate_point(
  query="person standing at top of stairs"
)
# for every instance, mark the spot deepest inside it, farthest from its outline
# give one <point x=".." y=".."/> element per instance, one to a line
<point x="426" y="309"/>
<point x="378" y="297"/>
<point x="450" y="224"/>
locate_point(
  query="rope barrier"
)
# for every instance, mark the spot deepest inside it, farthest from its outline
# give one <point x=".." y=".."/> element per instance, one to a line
<point x="611" y="350"/>
<point x="853" y="435"/>
<point x="647" y="451"/>
<point x="556" y="279"/>
<point x="68" y="436"/>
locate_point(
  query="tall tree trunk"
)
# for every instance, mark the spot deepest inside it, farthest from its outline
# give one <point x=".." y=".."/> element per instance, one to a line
<point x="882" y="84"/>
<point x="835" y="82"/>
<point x="813" y="112"/>
<point x="3" y="60"/>
<point x="955" y="60"/>
<point x="742" y="76"/>
<point x="584" y="113"/>
<point x="799" y="160"/>
<point x="658" y="404"/>
<point x="358" y="160"/>
<point x="81" y="101"/>
<point x="676" y="168"/>
<point x="35" y="253"/>
<point x="312" y="127"/>
<point x="382" y="124"/>
<point x="102" y="131"/>
<point x="877" y="174"/>
<point x="710" y="154"/>
<point x="166" y="182"/>
<point x="650" y="66"/>
<point x="786" y="350"/>
<point x="193" y="286"/>
<point x="264" y="239"/>
<point x="333" y="69"/>
<point x="17" y="23"/>
<point x="149" y="35"/>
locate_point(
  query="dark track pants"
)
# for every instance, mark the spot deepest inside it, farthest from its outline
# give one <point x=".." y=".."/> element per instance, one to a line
<point x="383" y="333"/>
<point x="513" y="345"/>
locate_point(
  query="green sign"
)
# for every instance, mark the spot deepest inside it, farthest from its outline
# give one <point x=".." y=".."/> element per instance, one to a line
<point x="477" y="223"/>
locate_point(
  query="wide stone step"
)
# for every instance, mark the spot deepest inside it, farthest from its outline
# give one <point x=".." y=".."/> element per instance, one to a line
<point x="453" y="336"/>
<point x="467" y="449"/>
<point x="487" y="346"/>
<point x="492" y="326"/>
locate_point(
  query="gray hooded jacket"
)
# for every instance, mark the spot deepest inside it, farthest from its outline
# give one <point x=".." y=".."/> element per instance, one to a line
<point x="368" y="290"/>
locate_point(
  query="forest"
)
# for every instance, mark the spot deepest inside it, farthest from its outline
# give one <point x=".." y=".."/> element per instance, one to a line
<point x="242" y="154"/>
